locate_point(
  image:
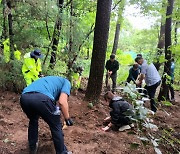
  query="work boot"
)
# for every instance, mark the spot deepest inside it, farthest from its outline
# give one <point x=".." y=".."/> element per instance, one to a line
<point x="34" y="151"/>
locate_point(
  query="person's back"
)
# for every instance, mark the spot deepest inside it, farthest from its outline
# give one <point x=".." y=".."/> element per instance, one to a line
<point x="151" y="74"/>
<point x="50" y="86"/>
<point x="120" y="110"/>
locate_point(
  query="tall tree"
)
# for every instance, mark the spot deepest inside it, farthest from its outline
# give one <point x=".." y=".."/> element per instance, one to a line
<point x="160" y="46"/>
<point x="56" y="34"/>
<point x="99" y="49"/>
<point x="10" y="24"/>
<point x="164" y="91"/>
<point x="118" y="25"/>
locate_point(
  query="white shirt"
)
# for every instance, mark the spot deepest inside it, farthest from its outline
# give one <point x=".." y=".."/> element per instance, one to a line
<point x="151" y="74"/>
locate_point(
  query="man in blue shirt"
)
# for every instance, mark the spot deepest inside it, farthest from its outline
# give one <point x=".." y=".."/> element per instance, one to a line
<point x="39" y="99"/>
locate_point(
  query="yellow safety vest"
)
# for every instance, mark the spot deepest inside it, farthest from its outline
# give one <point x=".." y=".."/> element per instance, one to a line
<point x="31" y="69"/>
<point x="6" y="50"/>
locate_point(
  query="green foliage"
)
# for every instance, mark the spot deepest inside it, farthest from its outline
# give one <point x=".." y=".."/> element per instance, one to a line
<point x="11" y="76"/>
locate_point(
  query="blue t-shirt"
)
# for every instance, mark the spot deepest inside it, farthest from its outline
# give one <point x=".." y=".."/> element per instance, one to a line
<point x="51" y="86"/>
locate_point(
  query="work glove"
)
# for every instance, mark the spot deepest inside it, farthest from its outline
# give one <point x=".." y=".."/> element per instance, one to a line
<point x="69" y="122"/>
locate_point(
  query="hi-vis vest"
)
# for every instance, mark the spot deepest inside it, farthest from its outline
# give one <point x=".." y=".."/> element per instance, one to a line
<point x="31" y="68"/>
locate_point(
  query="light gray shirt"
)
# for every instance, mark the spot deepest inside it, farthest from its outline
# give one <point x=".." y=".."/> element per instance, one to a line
<point x="151" y="74"/>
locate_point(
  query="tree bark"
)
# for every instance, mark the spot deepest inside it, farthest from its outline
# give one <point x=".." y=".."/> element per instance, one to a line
<point x="99" y="50"/>
<point x="164" y="91"/>
<point x="175" y="32"/>
<point x="160" y="46"/>
<point x="10" y="23"/>
<point x="4" y="31"/>
<point x="56" y="34"/>
<point x="118" y="25"/>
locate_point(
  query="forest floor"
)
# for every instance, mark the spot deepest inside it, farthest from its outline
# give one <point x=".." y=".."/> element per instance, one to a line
<point x="86" y="136"/>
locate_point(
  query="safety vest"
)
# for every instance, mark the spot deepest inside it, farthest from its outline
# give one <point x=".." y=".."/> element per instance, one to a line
<point x="31" y="69"/>
<point x="6" y="50"/>
<point x="17" y="54"/>
<point x="76" y="80"/>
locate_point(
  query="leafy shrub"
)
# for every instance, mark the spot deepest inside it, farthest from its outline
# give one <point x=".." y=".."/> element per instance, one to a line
<point x="11" y="77"/>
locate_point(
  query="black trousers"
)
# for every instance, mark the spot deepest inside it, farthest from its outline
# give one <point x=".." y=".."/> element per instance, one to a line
<point x="171" y="89"/>
<point x="113" y="78"/>
<point x="151" y="92"/>
<point x="35" y="105"/>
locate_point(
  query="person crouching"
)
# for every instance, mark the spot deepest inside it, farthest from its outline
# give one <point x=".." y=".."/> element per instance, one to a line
<point x="119" y="115"/>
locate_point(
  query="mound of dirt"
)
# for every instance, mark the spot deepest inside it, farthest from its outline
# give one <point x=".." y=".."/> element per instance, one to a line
<point x="85" y="137"/>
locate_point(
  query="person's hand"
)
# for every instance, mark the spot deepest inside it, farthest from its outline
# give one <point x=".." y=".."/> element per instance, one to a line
<point x="107" y="118"/>
<point x="110" y="72"/>
<point x="69" y="122"/>
<point x="105" y="128"/>
<point x="138" y="82"/>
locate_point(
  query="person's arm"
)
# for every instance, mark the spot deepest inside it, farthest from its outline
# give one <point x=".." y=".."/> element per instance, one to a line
<point x="115" y="113"/>
<point x="64" y="105"/>
<point x="107" y="65"/>
<point x="130" y="74"/>
<point x="116" y="67"/>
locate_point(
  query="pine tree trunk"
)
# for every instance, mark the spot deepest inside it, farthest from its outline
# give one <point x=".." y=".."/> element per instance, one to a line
<point x="116" y="38"/>
<point x="164" y="91"/>
<point x="56" y="34"/>
<point x="118" y="26"/>
<point x="4" y="32"/>
<point x="99" y="50"/>
<point x="160" y="46"/>
<point x="10" y="23"/>
<point x="175" y="32"/>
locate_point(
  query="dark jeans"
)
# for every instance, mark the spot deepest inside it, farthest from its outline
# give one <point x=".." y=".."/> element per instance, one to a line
<point x="151" y="92"/>
<point x="171" y="89"/>
<point x="113" y="77"/>
<point x="35" y="105"/>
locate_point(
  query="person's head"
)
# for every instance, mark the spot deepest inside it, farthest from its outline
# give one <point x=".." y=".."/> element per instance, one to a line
<point x="112" y="57"/>
<point x="135" y="66"/>
<point x="108" y="96"/>
<point x="36" y="54"/>
<point x="139" y="55"/>
<point x="139" y="60"/>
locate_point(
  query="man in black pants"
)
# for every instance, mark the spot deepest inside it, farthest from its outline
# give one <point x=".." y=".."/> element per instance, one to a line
<point x="112" y="66"/>
<point x="39" y="100"/>
<point x="152" y="79"/>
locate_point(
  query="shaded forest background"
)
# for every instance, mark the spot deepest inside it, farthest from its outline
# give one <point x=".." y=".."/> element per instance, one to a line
<point x="66" y="31"/>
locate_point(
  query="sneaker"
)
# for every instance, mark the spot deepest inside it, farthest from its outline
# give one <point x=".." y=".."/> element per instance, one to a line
<point x="35" y="150"/>
<point x="69" y="152"/>
<point x="131" y="125"/>
<point x="123" y="128"/>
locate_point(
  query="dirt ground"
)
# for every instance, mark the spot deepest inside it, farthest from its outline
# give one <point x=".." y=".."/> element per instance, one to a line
<point x="85" y="137"/>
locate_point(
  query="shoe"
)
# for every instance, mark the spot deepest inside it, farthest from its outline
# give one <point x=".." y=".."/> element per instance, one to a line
<point x="35" y="150"/>
<point x="131" y="125"/>
<point x="123" y="128"/>
<point x="69" y="152"/>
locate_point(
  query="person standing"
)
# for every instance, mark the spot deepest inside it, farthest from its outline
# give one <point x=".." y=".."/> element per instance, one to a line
<point x="152" y="79"/>
<point x="112" y="66"/>
<point x="31" y="68"/>
<point x="171" y="89"/>
<point x="39" y="100"/>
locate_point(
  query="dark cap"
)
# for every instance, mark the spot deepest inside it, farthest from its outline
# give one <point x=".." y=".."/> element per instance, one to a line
<point x="112" y="56"/>
<point x="36" y="53"/>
